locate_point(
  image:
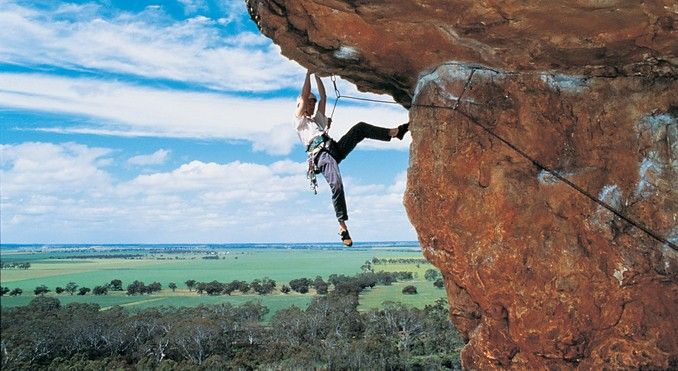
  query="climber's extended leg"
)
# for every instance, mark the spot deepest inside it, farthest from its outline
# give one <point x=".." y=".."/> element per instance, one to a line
<point x="362" y="131"/>
<point x="330" y="170"/>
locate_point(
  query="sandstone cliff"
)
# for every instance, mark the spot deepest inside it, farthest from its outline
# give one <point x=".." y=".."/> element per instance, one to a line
<point x="537" y="275"/>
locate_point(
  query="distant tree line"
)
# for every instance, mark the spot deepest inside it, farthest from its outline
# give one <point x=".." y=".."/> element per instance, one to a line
<point x="265" y="286"/>
<point x="73" y="288"/>
<point x="361" y="281"/>
<point x="261" y="286"/>
<point x="376" y="260"/>
<point x="15" y="265"/>
<point x="99" y="256"/>
<point x="330" y="334"/>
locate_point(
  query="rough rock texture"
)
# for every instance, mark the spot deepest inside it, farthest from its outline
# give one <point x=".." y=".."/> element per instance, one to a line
<point x="537" y="275"/>
<point x="384" y="45"/>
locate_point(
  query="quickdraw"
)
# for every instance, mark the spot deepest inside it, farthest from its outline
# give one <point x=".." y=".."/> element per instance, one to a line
<point x="312" y="171"/>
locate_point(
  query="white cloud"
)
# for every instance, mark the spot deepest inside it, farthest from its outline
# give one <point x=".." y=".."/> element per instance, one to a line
<point x="44" y="168"/>
<point x="147" y="44"/>
<point x="129" y="110"/>
<point x="200" y="176"/>
<point x="287" y="167"/>
<point x="233" y="10"/>
<point x="197" y="201"/>
<point x="156" y="158"/>
<point x="193" y="6"/>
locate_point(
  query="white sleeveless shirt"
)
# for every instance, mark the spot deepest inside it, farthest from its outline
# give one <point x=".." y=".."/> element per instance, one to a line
<point x="310" y="127"/>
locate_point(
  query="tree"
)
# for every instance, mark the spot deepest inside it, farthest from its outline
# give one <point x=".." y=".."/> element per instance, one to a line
<point x="352" y="285"/>
<point x="320" y="285"/>
<point x="228" y="288"/>
<point x="431" y="274"/>
<point x="285" y="289"/>
<point x="263" y="286"/>
<point x="71" y="287"/>
<point x="100" y="290"/>
<point x="322" y="289"/>
<point x="41" y="290"/>
<point x="211" y="288"/>
<point x="439" y="283"/>
<point x="268" y="285"/>
<point x="116" y="285"/>
<point x="16" y="291"/>
<point x="242" y="286"/>
<point x="153" y="287"/>
<point x="43" y="304"/>
<point x="256" y="285"/>
<point x="84" y="290"/>
<point x="4" y="290"/>
<point x="409" y="290"/>
<point x="334" y="279"/>
<point x="300" y="285"/>
<point x="59" y="290"/>
<point x="190" y="284"/>
<point x="386" y="278"/>
<point x="136" y="287"/>
<point x="404" y="275"/>
<point x="172" y="286"/>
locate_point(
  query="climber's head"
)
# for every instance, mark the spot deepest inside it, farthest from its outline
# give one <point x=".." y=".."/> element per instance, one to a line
<point x="310" y="104"/>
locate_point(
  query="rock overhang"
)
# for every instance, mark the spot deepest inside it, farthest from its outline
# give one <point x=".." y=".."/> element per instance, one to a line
<point x="385" y="46"/>
<point x="536" y="275"/>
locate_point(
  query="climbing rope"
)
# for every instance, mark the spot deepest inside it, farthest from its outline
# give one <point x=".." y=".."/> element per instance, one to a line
<point x="518" y="150"/>
<point x="337" y="95"/>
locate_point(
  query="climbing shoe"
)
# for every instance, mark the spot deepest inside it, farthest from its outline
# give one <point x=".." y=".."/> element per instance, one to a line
<point x="346" y="238"/>
<point x="402" y="129"/>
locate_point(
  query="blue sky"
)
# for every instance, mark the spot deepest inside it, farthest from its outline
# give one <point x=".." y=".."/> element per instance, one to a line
<point x="171" y="121"/>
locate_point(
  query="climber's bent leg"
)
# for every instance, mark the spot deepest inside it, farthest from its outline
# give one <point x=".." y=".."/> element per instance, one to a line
<point x="357" y="133"/>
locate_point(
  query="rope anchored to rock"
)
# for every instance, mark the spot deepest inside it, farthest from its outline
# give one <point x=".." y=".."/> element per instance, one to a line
<point x="655" y="235"/>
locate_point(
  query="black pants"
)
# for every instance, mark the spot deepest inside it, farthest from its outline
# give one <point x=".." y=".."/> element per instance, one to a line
<point x="328" y="161"/>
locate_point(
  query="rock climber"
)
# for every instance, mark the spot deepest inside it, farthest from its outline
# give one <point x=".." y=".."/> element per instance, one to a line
<point x="325" y="153"/>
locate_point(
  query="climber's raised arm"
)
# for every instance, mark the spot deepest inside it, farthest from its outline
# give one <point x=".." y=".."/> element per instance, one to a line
<point x="302" y="102"/>
<point x="323" y="95"/>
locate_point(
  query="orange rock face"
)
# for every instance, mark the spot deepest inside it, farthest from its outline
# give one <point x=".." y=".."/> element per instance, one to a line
<point x="385" y="46"/>
<point x="537" y="275"/>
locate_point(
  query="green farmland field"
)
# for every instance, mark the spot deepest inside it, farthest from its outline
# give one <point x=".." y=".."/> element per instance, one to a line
<point x="426" y="292"/>
<point x="281" y="265"/>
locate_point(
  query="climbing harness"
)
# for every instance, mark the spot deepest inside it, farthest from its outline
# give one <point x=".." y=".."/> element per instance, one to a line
<point x="317" y="145"/>
<point x="515" y="148"/>
<point x="314" y="149"/>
